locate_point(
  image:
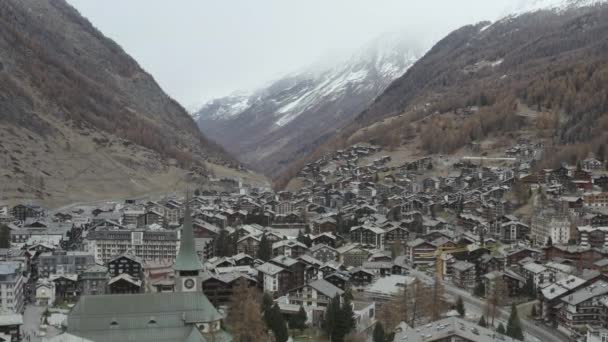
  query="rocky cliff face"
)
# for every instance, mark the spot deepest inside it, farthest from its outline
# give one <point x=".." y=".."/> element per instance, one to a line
<point x="75" y="108"/>
<point x="271" y="127"/>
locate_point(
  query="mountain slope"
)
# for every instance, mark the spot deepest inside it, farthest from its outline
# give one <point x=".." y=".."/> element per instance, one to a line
<point x="553" y="60"/>
<point x="75" y="108"/>
<point x="274" y="126"/>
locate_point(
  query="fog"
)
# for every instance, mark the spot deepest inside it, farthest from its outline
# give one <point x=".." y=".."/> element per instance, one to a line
<point x="201" y="49"/>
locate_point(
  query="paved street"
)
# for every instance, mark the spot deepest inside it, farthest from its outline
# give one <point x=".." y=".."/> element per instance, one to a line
<point x="31" y="324"/>
<point x="540" y="332"/>
<point x="534" y="332"/>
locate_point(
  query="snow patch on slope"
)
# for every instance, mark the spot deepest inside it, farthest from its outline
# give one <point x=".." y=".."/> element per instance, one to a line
<point x="528" y="6"/>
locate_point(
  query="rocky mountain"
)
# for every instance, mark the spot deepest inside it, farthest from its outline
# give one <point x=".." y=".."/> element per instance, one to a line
<point x="550" y="60"/>
<point x="273" y="126"/>
<point x="79" y="118"/>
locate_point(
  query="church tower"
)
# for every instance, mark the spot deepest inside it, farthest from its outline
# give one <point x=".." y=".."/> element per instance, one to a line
<point x="187" y="266"/>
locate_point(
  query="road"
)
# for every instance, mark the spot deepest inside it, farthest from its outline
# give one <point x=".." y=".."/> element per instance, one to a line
<point x="30" y="330"/>
<point x="540" y="332"/>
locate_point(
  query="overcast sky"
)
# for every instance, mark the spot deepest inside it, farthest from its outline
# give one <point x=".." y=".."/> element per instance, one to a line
<point x="200" y="49"/>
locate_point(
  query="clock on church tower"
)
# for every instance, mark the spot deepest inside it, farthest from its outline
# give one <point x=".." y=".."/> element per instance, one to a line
<point x="187" y="265"/>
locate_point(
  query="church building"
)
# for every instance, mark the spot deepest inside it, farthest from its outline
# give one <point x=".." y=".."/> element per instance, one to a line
<point x="185" y="315"/>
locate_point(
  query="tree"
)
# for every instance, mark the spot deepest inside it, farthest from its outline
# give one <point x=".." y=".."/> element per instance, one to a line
<point x="501" y="329"/>
<point x="496" y="297"/>
<point x="298" y="321"/>
<point x="480" y="289"/>
<point x="514" y="325"/>
<point x="482" y="322"/>
<point x="529" y="288"/>
<point x="278" y="325"/>
<point x="379" y="335"/>
<point x="244" y="319"/>
<point x="267" y="308"/>
<point x="533" y="313"/>
<point x="438" y="303"/>
<point x="304" y="238"/>
<point x="347" y="314"/>
<point x="329" y="319"/>
<point x="460" y="306"/>
<point x="396" y="249"/>
<point x="5" y="236"/>
<point x="223" y="244"/>
<point x="264" y="249"/>
<point x="397" y="310"/>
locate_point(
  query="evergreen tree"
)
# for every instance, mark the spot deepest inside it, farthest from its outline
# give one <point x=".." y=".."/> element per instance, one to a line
<point x="533" y="313"/>
<point x="267" y="308"/>
<point x="529" y="288"/>
<point x="347" y="313"/>
<point x="264" y="249"/>
<point x="278" y="325"/>
<point x="223" y="244"/>
<point x="379" y="335"/>
<point x="480" y="289"/>
<point x="460" y="306"/>
<point x="482" y="322"/>
<point x="501" y="329"/>
<point x="304" y="238"/>
<point x="514" y="325"/>
<point x="298" y="321"/>
<point x="5" y="236"/>
<point x="331" y="315"/>
<point x="549" y="242"/>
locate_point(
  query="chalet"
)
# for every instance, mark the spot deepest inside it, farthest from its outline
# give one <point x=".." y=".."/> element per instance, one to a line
<point x="150" y="217"/>
<point x="325" y="224"/>
<point x="125" y="263"/>
<point x="204" y="229"/>
<point x="579" y="256"/>
<point x="219" y="288"/>
<point x="66" y="287"/>
<point x="339" y="279"/>
<point x="421" y="252"/>
<point x="291" y="248"/>
<point x="514" y="257"/>
<point x="328" y="239"/>
<point x="125" y="283"/>
<point x="273" y="278"/>
<point x="368" y="236"/>
<point x="464" y="275"/>
<point x="22" y="212"/>
<point x="361" y="276"/>
<point x="314" y="297"/>
<point x="352" y="255"/>
<point x="330" y="267"/>
<point x="379" y="268"/>
<point x="513" y="231"/>
<point x="248" y="245"/>
<point x="295" y="268"/>
<point x="323" y="253"/>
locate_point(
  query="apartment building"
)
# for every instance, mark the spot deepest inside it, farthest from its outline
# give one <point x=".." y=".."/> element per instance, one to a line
<point x="11" y="287"/>
<point x="586" y="306"/>
<point x="144" y="244"/>
<point x="62" y="262"/>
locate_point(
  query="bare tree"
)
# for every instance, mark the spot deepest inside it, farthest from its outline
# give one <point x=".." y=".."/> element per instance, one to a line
<point x="244" y="318"/>
<point x="496" y="297"/>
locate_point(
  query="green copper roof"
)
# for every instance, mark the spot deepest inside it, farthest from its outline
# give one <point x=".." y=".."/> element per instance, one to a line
<point x="187" y="260"/>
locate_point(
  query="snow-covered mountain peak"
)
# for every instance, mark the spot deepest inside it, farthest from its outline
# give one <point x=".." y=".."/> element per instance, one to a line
<point x="528" y="6"/>
<point x="292" y="114"/>
<point x="380" y="61"/>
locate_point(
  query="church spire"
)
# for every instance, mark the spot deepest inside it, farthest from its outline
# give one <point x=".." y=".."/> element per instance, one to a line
<point x="187" y="260"/>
